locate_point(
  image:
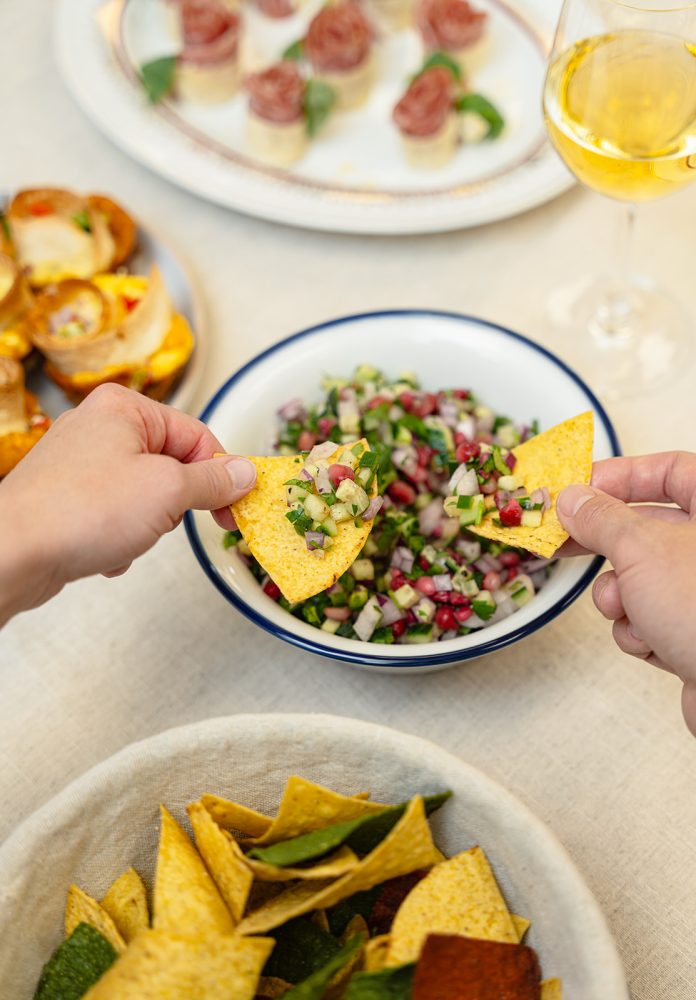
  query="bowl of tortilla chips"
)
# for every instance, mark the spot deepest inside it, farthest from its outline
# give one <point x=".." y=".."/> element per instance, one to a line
<point x="510" y="373"/>
<point x="306" y="856"/>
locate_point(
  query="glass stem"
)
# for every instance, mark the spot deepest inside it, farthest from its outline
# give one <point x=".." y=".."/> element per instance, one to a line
<point x="612" y="322"/>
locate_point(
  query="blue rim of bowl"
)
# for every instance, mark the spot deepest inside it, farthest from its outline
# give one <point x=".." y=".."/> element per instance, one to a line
<point x="371" y="659"/>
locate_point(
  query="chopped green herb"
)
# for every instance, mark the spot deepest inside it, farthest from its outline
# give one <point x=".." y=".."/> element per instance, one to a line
<point x="444" y="60"/>
<point x="157" y="77"/>
<point x="294" y="52"/>
<point x="83" y="220"/>
<point x="387" y="984"/>
<point x="318" y="100"/>
<point x="231" y="538"/>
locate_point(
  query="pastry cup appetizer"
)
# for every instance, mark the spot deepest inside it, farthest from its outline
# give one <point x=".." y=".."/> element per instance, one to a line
<point x="454" y="27"/>
<point x="57" y="234"/>
<point x="116" y="328"/>
<point x="285" y="111"/>
<point x="427" y="119"/>
<point x="207" y="68"/>
<point x="15" y="300"/>
<point x="338" y="47"/>
<point x="22" y="421"/>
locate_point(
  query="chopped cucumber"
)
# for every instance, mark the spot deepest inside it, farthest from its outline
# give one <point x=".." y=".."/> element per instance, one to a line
<point x="418" y="634"/>
<point x="405" y="597"/>
<point x="331" y="626"/>
<point x="531" y="518"/>
<point x="483" y="605"/>
<point x="509" y="482"/>
<point x="363" y="569"/>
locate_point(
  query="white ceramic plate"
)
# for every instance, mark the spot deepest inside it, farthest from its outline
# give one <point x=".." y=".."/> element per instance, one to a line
<point x="513" y="375"/>
<point x="354" y="178"/>
<point x="107" y="821"/>
<point x="187" y="300"/>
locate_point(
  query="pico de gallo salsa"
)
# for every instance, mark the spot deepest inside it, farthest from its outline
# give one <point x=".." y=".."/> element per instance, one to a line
<point x="442" y="460"/>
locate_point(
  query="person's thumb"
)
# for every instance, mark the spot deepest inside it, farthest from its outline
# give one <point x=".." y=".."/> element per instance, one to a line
<point x="600" y="522"/>
<point x="217" y="482"/>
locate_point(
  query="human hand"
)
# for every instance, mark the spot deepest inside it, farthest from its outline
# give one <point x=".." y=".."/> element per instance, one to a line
<point x="650" y="594"/>
<point x="102" y="486"/>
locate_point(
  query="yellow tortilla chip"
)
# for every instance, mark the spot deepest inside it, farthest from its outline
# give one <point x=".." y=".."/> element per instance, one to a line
<point x="459" y="896"/>
<point x="270" y="987"/>
<point x="162" y="966"/>
<point x="521" y="925"/>
<point x="233" y="816"/>
<point x="186" y="900"/>
<point x="342" y="861"/>
<point x="375" y="953"/>
<point x="275" y="544"/>
<point x="306" y="806"/>
<point x="555" y="458"/>
<point x="407" y="847"/>
<point x="224" y="859"/>
<point x="126" y="904"/>
<point x="321" y="920"/>
<point x="82" y="909"/>
<point x="551" y="989"/>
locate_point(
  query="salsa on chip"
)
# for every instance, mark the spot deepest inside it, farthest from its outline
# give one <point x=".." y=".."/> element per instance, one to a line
<point x="334" y="898"/>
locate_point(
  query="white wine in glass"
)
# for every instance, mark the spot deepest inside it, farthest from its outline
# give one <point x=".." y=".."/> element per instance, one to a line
<point x="620" y="108"/>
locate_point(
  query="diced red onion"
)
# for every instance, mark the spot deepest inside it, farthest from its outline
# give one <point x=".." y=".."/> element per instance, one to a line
<point x="538" y="579"/>
<point x="322" y="450"/>
<point x="510" y="461"/>
<point x="314" y="540"/>
<point x="337" y="614"/>
<point x="442" y="581"/>
<point x="292" y="410"/>
<point x="534" y="565"/>
<point x="490" y="486"/>
<point x="305" y="474"/>
<point x="519" y="492"/>
<point x="373" y="508"/>
<point x="470" y="550"/>
<point x="390" y="612"/>
<point x="402" y="559"/>
<point x="449" y="411"/>
<point x="450" y="634"/>
<point x="486" y="563"/>
<point x="401" y="456"/>
<point x="541" y="496"/>
<point x="368" y="620"/>
<point x="429" y="517"/>
<point x="449" y="527"/>
<point x="323" y="482"/>
<point x="501" y="497"/>
<point x="467" y="427"/>
<point x="395" y="413"/>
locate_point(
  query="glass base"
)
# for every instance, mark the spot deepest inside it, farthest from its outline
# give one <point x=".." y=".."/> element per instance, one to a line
<point x="626" y="340"/>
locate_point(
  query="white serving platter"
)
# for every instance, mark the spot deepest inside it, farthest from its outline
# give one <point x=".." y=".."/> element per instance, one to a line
<point x="354" y="177"/>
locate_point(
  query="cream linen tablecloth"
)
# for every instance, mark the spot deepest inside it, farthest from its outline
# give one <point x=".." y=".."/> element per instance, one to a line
<point x="592" y="741"/>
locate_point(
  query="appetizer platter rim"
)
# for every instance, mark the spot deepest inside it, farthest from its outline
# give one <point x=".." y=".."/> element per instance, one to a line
<point x="484" y="789"/>
<point x="184" y="392"/>
<point x="282" y="196"/>
<point x="386" y="663"/>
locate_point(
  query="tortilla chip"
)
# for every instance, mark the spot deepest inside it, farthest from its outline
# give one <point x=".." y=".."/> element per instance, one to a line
<point x="521" y="925"/>
<point x="552" y="989"/>
<point x="82" y="909"/>
<point x="342" y="861"/>
<point x="233" y="816"/>
<point x="375" y="953"/>
<point x="406" y="847"/>
<point x="459" y="896"/>
<point x="275" y="544"/>
<point x="224" y="859"/>
<point x="337" y="985"/>
<point x="126" y="904"/>
<point x="186" y="900"/>
<point x="162" y="966"/>
<point x="555" y="458"/>
<point x="321" y="920"/>
<point x="462" y="968"/>
<point x="270" y="987"/>
<point x="306" y="807"/>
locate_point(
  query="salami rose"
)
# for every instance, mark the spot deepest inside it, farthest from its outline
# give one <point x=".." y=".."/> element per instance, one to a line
<point x="276" y="8"/>
<point x="339" y="38"/>
<point x="211" y="32"/>
<point x="425" y="106"/>
<point x="449" y="24"/>
<point x="276" y="93"/>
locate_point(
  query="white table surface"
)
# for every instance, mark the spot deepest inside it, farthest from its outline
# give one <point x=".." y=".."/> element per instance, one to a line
<point x="591" y="740"/>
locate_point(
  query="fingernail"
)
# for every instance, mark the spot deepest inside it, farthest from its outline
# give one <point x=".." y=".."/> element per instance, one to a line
<point x="242" y="472"/>
<point x="572" y="498"/>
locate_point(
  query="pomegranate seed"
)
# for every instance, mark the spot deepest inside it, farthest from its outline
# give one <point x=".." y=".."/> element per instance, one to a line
<point x="424" y="454"/>
<point x="306" y="441"/>
<point x="407" y="399"/>
<point x="375" y="402"/>
<point x="458" y="600"/>
<point x="462" y="615"/>
<point x="508" y="559"/>
<point x="441" y="596"/>
<point x="272" y="590"/>
<point x="444" y="619"/>
<point x="425" y="585"/>
<point x="466" y="450"/>
<point x="396" y="579"/>
<point x="492" y="581"/>
<point x="426" y="405"/>
<point x="326" y="425"/>
<point x="511" y="514"/>
<point x="417" y="475"/>
<point x="512" y="573"/>
<point x="337" y="473"/>
<point x="398" y="628"/>
<point x="411" y="617"/>
<point x="401" y="492"/>
<point x="461" y="393"/>
<point x="490" y="486"/>
<point x="423" y="563"/>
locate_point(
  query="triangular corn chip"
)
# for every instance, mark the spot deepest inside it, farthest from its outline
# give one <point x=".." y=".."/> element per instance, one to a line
<point x="161" y="966"/>
<point x="224" y="859"/>
<point x="82" y="909"/>
<point x="375" y="953"/>
<point x="306" y="806"/>
<point x="459" y="896"/>
<point x="233" y="816"/>
<point x="551" y="989"/>
<point x="270" y="987"/>
<point x="555" y="458"/>
<point x="126" y="904"/>
<point x="407" y="847"/>
<point x="186" y="900"/>
<point x="275" y="544"/>
<point x="521" y="925"/>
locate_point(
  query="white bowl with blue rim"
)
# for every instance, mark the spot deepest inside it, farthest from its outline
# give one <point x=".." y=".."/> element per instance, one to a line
<point x="508" y="372"/>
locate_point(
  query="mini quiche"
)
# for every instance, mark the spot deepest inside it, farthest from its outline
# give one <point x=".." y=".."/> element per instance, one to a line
<point x="114" y="328"/>
<point x="15" y="300"/>
<point x="22" y="422"/>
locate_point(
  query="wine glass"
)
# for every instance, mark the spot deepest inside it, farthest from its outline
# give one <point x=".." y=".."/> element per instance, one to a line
<point x="620" y="108"/>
